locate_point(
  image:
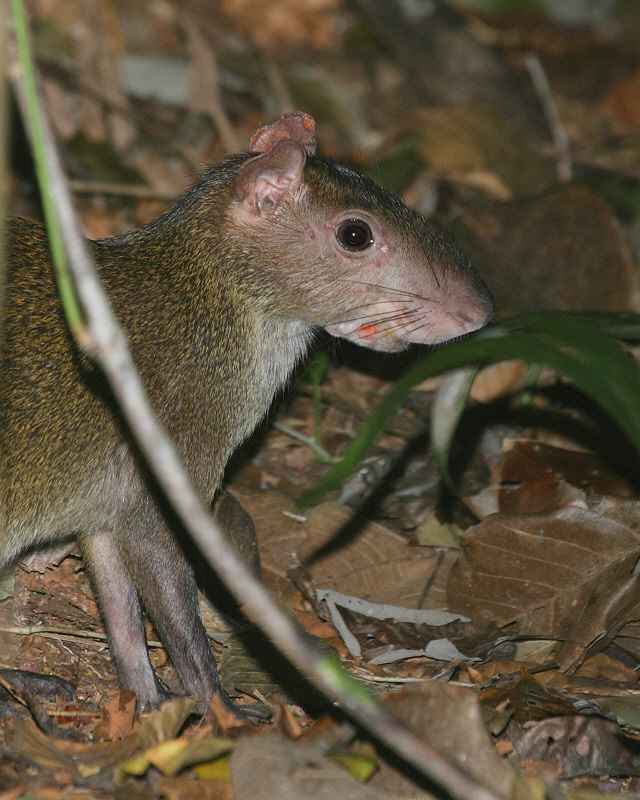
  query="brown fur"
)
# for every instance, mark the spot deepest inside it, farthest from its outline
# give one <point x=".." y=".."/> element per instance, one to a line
<point x="219" y="298"/>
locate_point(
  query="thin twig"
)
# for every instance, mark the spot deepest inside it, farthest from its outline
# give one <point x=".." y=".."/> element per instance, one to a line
<point x="323" y="455"/>
<point x="103" y="339"/>
<point x="4" y="172"/>
<point x="277" y="82"/>
<point x="206" y="94"/>
<point x="64" y="634"/>
<point x="558" y="134"/>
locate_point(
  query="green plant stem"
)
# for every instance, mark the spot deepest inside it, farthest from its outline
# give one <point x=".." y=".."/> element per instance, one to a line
<point x="105" y="341"/>
<point x="34" y="113"/>
<point x="4" y="172"/>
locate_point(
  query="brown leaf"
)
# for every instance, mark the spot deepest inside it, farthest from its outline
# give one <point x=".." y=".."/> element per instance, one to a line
<point x="567" y="573"/>
<point x="188" y="789"/>
<point x="479" y="147"/>
<point x="622" y="101"/>
<point x="205" y="96"/>
<point x="532" y="473"/>
<point x="105" y="107"/>
<point x="79" y="758"/>
<point x="278" y="535"/>
<point x="277" y="23"/>
<point x="166" y="723"/>
<point x="497" y="380"/>
<point x="373" y="562"/>
<point x="318" y="628"/>
<point x="268" y="766"/>
<point x="602" y="667"/>
<point x="449" y="719"/>
<point x="118" y="716"/>
<point x="65" y="121"/>
<point x="562" y="250"/>
<point x="528" y="699"/>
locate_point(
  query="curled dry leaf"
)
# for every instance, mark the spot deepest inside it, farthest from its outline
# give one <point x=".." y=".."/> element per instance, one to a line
<point x="538" y="477"/>
<point x="567" y="573"/>
<point x="166" y="723"/>
<point x="79" y="758"/>
<point x="118" y="717"/>
<point x="497" y="380"/>
<point x="449" y="719"/>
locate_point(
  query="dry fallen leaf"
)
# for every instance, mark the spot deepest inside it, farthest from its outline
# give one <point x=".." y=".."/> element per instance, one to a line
<point x="179" y="788"/>
<point x="527" y="699"/>
<point x="278" y="23"/>
<point x="568" y="573"/>
<point x="533" y="472"/>
<point x="374" y="563"/>
<point x="568" y="247"/>
<point x="278" y="535"/>
<point x="118" y="716"/>
<point x="622" y="102"/>
<point x="449" y="719"/>
<point x="497" y="380"/>
<point x="479" y="147"/>
<point x="82" y="759"/>
<point x="269" y="766"/>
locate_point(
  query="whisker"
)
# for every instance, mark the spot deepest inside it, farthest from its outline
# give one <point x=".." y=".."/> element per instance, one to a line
<point x="433" y="272"/>
<point x="377" y="320"/>
<point x="403" y="292"/>
<point x="398" y="326"/>
<point x="398" y="319"/>
<point x="416" y="328"/>
<point x="368" y="305"/>
<point x="381" y="286"/>
<point x="390" y="289"/>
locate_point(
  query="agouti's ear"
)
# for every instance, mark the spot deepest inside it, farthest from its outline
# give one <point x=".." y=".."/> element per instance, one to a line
<point x="265" y="180"/>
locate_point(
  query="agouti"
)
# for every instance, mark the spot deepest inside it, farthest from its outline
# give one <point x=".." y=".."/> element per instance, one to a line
<point x="220" y="297"/>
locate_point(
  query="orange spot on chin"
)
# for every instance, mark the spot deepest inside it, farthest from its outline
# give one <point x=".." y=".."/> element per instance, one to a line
<point x="367" y="330"/>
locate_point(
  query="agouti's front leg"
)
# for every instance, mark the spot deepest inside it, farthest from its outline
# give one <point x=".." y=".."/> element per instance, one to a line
<point x="122" y="613"/>
<point x="144" y="555"/>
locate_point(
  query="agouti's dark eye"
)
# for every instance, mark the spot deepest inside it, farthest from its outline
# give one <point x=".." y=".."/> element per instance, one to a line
<point x="354" y="234"/>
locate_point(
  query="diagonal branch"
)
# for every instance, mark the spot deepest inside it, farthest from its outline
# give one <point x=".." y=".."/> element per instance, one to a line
<point x="101" y="337"/>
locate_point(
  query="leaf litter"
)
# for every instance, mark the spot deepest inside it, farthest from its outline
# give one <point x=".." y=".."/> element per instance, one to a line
<point x="548" y="579"/>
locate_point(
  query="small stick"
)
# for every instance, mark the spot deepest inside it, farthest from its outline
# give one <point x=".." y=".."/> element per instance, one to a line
<point x="206" y="96"/>
<point x="64" y="634"/>
<point x="277" y="82"/>
<point x="324" y="455"/>
<point x="4" y="130"/>
<point x="558" y="133"/>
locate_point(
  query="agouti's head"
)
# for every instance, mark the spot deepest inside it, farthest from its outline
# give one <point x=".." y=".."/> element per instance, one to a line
<point x="341" y="252"/>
